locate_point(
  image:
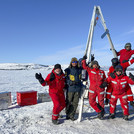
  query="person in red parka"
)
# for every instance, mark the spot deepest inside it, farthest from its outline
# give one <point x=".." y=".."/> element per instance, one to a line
<point x="125" y="54"/>
<point x="118" y="91"/>
<point x="111" y="72"/>
<point x="56" y="82"/>
<point x="97" y="86"/>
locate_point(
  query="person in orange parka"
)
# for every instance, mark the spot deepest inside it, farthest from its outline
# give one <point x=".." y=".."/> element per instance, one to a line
<point x="56" y="82"/>
<point x="97" y="86"/>
<point x="125" y="54"/>
<point x="118" y="90"/>
<point x="111" y="73"/>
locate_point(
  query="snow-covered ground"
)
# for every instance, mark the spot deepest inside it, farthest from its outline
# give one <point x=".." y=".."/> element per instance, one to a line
<point x="36" y="119"/>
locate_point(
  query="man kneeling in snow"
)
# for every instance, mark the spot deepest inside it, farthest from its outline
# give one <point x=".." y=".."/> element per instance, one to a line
<point x="56" y="82"/>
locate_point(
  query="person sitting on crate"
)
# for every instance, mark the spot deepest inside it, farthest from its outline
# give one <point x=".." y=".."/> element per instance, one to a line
<point x="97" y="86"/>
<point x="56" y="82"/>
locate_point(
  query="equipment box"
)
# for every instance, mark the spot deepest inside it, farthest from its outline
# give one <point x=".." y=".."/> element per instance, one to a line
<point x="5" y="100"/>
<point x="43" y="97"/>
<point x="27" y="98"/>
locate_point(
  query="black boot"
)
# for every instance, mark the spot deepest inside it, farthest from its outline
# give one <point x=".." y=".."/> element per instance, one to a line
<point x="111" y="116"/>
<point x="132" y="103"/>
<point x="125" y="117"/>
<point x="101" y="114"/>
<point x="55" y="122"/>
<point x="72" y="118"/>
<point x="67" y="117"/>
<point x="102" y="109"/>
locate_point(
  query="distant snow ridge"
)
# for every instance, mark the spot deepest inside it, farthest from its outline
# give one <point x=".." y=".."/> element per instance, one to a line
<point x="29" y="66"/>
<point x="17" y="66"/>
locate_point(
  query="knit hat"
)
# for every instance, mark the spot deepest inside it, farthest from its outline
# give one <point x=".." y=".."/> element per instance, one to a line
<point x="115" y="62"/>
<point x="127" y="45"/>
<point x="119" y="68"/>
<point x="95" y="62"/>
<point x="57" y="66"/>
<point x="74" y="59"/>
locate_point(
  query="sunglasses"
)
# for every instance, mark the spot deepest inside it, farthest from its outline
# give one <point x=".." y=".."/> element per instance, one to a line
<point x="74" y="61"/>
<point x="118" y="70"/>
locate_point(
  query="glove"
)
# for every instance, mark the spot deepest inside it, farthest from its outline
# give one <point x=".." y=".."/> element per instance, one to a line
<point x="132" y="103"/>
<point x="131" y="76"/>
<point x="106" y="101"/>
<point x="112" y="75"/>
<point x="52" y="76"/>
<point x="92" y="57"/>
<point x="39" y="77"/>
<point x="103" y="85"/>
<point x="124" y="61"/>
<point x="84" y="57"/>
<point x="115" y="51"/>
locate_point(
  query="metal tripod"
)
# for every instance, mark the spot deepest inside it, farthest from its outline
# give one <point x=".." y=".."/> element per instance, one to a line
<point x="96" y="13"/>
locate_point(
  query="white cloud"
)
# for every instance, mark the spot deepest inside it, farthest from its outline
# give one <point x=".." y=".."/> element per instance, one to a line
<point x="62" y="56"/>
<point x="130" y="32"/>
<point x="103" y="55"/>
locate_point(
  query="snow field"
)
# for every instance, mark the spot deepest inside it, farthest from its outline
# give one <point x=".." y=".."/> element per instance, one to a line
<point x="36" y="119"/>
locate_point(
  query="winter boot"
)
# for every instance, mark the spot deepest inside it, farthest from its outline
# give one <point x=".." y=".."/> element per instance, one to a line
<point x="132" y="103"/>
<point x="73" y="119"/>
<point x="55" y="122"/>
<point x="111" y="116"/>
<point x="125" y="117"/>
<point x="102" y="109"/>
<point x="101" y="114"/>
<point x="67" y="117"/>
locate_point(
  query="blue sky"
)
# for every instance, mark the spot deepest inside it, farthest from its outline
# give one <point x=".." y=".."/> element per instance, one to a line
<point x="54" y="31"/>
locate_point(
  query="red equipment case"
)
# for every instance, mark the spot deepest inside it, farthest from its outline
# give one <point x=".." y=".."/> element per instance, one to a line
<point x="27" y="98"/>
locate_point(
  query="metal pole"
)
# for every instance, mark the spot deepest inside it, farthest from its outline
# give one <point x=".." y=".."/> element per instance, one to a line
<point x="108" y="35"/>
<point x="90" y="36"/>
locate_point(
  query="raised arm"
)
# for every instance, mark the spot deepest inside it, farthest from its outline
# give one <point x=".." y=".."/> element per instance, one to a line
<point x="127" y="64"/>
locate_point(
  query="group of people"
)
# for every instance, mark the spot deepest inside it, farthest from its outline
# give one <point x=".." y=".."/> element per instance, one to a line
<point x="107" y="90"/>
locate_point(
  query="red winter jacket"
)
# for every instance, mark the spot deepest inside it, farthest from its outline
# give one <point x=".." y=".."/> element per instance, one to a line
<point x="125" y="54"/>
<point x="124" y="66"/>
<point x="57" y="85"/>
<point x="96" y="77"/>
<point x="119" y="84"/>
